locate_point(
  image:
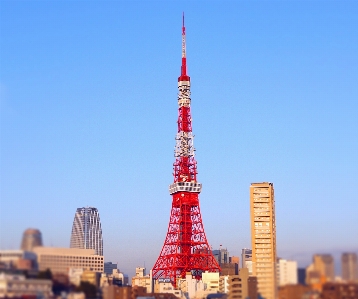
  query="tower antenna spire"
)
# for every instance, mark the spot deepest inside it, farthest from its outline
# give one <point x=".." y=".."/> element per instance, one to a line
<point x="183" y="24"/>
<point x="183" y="51"/>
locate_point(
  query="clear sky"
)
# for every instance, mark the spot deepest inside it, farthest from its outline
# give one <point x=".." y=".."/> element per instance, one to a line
<point x="89" y="109"/>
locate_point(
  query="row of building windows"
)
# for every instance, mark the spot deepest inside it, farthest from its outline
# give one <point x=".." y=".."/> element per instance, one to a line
<point x="262" y="209"/>
<point x="264" y="199"/>
<point x="71" y="257"/>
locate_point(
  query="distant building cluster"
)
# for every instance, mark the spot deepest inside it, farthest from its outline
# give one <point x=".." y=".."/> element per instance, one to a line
<point x="36" y="271"/>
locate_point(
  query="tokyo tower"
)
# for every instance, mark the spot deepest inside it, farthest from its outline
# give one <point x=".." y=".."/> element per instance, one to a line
<point x="185" y="248"/>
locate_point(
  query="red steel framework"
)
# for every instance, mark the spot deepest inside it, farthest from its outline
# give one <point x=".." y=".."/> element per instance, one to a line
<point x="185" y="248"/>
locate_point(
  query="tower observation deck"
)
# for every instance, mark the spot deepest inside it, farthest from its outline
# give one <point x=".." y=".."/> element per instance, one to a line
<point x="186" y="247"/>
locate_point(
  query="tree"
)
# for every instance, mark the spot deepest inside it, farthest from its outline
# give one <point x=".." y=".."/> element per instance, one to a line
<point x="89" y="289"/>
<point x="47" y="274"/>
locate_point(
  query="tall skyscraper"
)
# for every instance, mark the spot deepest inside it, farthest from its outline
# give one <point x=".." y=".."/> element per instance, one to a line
<point x="263" y="238"/>
<point x="31" y="238"/>
<point x="87" y="231"/>
<point x="349" y="266"/>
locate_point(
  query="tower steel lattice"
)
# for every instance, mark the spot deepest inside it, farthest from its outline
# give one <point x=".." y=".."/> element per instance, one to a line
<point x="186" y="247"/>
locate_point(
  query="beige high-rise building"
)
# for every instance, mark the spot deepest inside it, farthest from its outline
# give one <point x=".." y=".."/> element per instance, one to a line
<point x="324" y="264"/>
<point x="263" y="238"/>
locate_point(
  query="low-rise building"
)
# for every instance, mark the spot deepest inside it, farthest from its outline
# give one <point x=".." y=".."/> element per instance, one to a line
<point x="91" y="277"/>
<point x="18" y="259"/>
<point x="118" y="278"/>
<point x="293" y="291"/>
<point x="252" y="287"/>
<point x="116" y="292"/>
<point x="164" y="286"/>
<point x="333" y="290"/>
<point x="190" y="285"/>
<point x="224" y="284"/>
<point x="74" y="275"/>
<point x="76" y="295"/>
<point x="211" y="281"/>
<point x="238" y="285"/>
<point x="143" y="280"/>
<point x="17" y="286"/>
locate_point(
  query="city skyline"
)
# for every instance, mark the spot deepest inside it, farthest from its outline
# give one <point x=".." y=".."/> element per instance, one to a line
<point x="84" y="121"/>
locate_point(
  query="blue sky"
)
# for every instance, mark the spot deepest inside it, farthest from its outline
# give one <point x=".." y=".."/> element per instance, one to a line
<point x="89" y="108"/>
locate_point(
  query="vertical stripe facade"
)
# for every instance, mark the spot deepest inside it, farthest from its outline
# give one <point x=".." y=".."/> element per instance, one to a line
<point x="87" y="231"/>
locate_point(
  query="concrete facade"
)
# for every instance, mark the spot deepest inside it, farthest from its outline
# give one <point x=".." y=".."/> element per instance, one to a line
<point x="59" y="260"/>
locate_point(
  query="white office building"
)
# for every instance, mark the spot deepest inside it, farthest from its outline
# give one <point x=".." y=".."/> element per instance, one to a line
<point x="286" y="272"/>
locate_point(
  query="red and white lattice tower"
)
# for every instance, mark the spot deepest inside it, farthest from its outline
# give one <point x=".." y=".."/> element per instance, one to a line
<point x="185" y="248"/>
